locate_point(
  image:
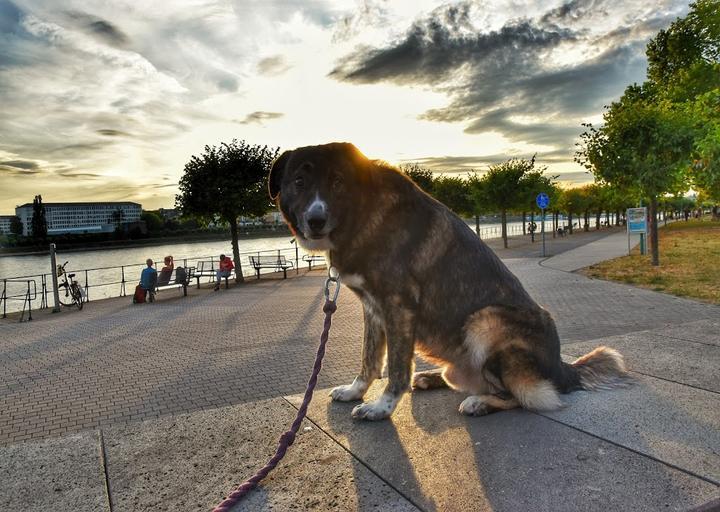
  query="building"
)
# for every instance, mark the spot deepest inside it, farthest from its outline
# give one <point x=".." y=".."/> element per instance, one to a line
<point x="63" y="218"/>
<point x="5" y="221"/>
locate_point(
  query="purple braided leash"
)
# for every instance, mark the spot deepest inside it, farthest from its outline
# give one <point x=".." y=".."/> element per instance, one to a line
<point x="287" y="439"/>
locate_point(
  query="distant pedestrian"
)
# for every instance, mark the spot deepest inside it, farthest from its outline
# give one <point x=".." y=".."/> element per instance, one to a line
<point x="226" y="267"/>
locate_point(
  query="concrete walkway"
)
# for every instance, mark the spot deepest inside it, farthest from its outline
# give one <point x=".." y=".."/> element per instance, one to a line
<point x="606" y="248"/>
<point x="169" y="406"/>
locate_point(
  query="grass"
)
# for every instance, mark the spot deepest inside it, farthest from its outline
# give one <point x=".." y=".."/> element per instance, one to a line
<point x="689" y="263"/>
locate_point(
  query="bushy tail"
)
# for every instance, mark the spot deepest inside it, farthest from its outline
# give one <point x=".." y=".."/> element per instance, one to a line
<point x="603" y="368"/>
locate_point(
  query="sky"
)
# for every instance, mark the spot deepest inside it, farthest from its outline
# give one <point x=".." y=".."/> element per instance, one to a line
<point x="107" y="100"/>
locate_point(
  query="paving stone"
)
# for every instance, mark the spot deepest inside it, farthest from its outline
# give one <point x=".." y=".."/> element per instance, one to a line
<point x="509" y="461"/>
<point x="701" y="331"/>
<point x="191" y="462"/>
<point x="60" y="475"/>
<point x="653" y="353"/>
<point x="677" y="424"/>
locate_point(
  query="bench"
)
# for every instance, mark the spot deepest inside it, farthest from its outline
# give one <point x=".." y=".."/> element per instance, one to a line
<point x="173" y="282"/>
<point x="209" y="269"/>
<point x="276" y="262"/>
<point x="313" y="258"/>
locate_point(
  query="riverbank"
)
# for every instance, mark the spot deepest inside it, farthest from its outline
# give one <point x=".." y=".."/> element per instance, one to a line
<point x="280" y="231"/>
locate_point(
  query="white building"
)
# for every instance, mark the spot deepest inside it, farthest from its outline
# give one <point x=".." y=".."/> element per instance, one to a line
<point x="65" y="218"/>
<point x="5" y="221"/>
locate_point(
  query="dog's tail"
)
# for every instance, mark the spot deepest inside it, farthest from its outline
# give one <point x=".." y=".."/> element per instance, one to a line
<point x="603" y="368"/>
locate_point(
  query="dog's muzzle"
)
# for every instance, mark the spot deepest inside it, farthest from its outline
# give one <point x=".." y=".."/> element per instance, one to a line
<point x="316" y="219"/>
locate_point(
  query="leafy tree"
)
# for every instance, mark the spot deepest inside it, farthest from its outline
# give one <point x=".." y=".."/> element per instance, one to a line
<point x="705" y="170"/>
<point x="453" y="193"/>
<point x="16" y="226"/>
<point x="39" y="220"/>
<point x="153" y="221"/>
<point x="572" y="201"/>
<point x="227" y="181"/>
<point x="643" y="145"/>
<point x="501" y="188"/>
<point x="423" y="178"/>
<point x="117" y="218"/>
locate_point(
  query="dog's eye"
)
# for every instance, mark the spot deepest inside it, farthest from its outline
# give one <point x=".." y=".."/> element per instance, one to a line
<point x="337" y="183"/>
<point x="299" y="182"/>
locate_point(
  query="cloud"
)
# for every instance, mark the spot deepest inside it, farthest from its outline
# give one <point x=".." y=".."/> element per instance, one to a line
<point x="20" y="164"/>
<point x="532" y="79"/>
<point x="273" y="66"/>
<point x="107" y="132"/>
<point x="98" y="27"/>
<point x="260" y="117"/>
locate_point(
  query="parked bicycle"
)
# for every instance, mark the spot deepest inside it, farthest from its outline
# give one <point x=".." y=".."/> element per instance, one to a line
<point x="74" y="293"/>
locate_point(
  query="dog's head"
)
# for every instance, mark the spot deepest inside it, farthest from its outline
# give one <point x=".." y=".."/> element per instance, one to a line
<point x="316" y="187"/>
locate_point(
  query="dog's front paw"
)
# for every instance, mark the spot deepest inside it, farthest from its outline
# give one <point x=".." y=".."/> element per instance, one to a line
<point x="350" y="392"/>
<point x="473" y="406"/>
<point x="378" y="409"/>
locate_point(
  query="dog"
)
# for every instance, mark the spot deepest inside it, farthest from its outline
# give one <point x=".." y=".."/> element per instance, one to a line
<point x="428" y="285"/>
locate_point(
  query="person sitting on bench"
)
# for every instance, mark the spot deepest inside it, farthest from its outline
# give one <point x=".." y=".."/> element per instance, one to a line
<point x="166" y="271"/>
<point x="226" y="267"/>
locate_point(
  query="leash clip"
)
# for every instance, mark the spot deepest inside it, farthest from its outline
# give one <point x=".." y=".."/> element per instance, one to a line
<point x="333" y="278"/>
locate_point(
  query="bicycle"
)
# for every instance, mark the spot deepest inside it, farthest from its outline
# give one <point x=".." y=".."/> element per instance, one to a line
<point x="74" y="294"/>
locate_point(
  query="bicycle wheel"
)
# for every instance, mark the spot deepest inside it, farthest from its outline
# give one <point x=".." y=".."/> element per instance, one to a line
<point x="77" y="296"/>
<point x="67" y="299"/>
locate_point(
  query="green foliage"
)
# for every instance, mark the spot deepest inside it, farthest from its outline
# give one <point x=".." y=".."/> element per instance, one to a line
<point x="423" y="178"/>
<point x="16" y="226"/>
<point x="453" y="193"/>
<point x="705" y="170"/>
<point x="39" y="220"/>
<point x="153" y="221"/>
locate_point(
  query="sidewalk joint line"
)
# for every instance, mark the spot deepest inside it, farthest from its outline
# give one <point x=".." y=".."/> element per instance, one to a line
<point x="103" y="461"/>
<point x="407" y="498"/>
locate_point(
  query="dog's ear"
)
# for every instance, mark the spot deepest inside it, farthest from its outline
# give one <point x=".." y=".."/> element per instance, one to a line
<point x="360" y="162"/>
<point x="276" y="174"/>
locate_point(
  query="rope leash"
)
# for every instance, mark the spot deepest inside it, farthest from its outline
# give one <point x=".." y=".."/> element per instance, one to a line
<point x="287" y="439"/>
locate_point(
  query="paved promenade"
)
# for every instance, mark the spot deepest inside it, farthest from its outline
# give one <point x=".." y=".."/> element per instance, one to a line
<point x="168" y="406"/>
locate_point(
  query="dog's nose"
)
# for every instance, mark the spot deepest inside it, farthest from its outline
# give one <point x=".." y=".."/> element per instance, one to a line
<point x="317" y="222"/>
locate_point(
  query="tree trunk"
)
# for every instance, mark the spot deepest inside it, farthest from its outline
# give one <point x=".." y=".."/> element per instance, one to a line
<point x="586" y="221"/>
<point x="477" y="225"/>
<point x="523" y="223"/>
<point x="597" y="219"/>
<point x="503" y="219"/>
<point x="607" y="217"/>
<point x="570" y="222"/>
<point x="236" y="250"/>
<point x="555" y="223"/>
<point x="654" y="231"/>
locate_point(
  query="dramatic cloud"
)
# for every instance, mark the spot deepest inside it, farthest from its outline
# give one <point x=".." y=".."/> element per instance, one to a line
<point x="532" y="80"/>
<point x="109" y="100"/>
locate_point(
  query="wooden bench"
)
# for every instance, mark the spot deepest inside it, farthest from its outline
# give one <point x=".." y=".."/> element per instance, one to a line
<point x="313" y="258"/>
<point x="173" y="282"/>
<point x="276" y="262"/>
<point x="209" y="269"/>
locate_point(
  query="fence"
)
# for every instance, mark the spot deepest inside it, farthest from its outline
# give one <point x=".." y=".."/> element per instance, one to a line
<point x="111" y="281"/>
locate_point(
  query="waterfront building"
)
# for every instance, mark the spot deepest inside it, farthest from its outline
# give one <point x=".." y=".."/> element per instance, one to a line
<point x="5" y="221"/>
<point x="63" y="218"/>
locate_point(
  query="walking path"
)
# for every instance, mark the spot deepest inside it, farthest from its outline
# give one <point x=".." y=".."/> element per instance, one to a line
<point x="169" y="406"/>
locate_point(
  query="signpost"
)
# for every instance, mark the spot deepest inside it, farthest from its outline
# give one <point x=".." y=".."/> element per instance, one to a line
<point x="543" y="201"/>
<point x="637" y="223"/>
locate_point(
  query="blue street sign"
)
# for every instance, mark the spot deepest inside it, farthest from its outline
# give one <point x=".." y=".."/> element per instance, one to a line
<point x="542" y="200"/>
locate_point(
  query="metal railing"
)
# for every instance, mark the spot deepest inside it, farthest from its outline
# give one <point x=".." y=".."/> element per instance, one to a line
<point x="112" y="281"/>
<point x="28" y="294"/>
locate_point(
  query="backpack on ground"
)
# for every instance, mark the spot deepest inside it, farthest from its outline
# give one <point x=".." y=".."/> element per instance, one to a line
<point x="139" y="296"/>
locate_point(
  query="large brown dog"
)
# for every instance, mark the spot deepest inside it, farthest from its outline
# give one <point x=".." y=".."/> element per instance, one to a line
<point x="429" y="285"/>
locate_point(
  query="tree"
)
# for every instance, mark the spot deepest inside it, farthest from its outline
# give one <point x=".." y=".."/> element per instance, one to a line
<point x="39" y="220"/>
<point x="572" y="201"/>
<point x="643" y="145"/>
<point x="705" y="170"/>
<point x="453" y="193"/>
<point x="153" y="221"/>
<point x="501" y="188"/>
<point x="16" y="226"/>
<point x="423" y="178"/>
<point x="117" y="217"/>
<point x="227" y="181"/>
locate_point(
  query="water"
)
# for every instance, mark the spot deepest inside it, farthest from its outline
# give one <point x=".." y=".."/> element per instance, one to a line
<point x="105" y="277"/>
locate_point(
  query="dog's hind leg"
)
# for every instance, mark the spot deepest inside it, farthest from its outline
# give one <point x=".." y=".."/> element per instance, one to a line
<point x="373" y="357"/>
<point x="429" y="379"/>
<point x="480" y="405"/>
